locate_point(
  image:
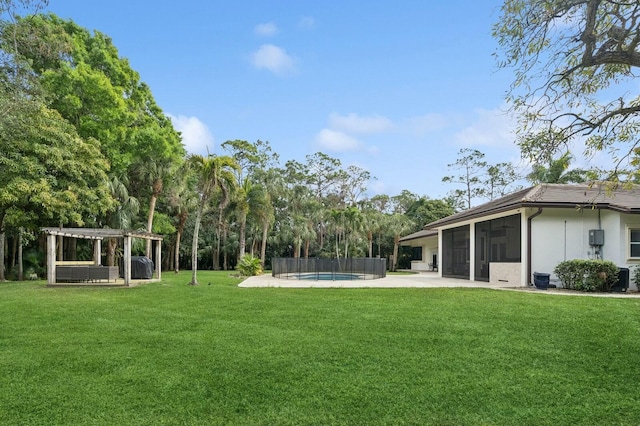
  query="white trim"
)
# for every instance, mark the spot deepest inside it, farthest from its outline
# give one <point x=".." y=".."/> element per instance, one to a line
<point x="628" y="230"/>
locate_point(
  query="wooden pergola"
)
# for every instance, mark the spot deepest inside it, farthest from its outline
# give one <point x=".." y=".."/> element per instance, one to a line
<point x="97" y="235"/>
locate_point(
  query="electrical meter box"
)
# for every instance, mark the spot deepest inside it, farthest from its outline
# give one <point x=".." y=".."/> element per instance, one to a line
<point x="596" y="237"/>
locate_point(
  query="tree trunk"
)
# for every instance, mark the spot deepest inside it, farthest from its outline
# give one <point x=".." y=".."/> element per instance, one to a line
<point x="243" y="243"/>
<point x="2" y="243"/>
<point x="176" y="254"/>
<point x="307" y="243"/>
<point x="111" y="251"/>
<point x="181" y="223"/>
<point x="72" y="249"/>
<point x="396" y="243"/>
<point x="60" y="246"/>
<point x="225" y="254"/>
<point x="14" y="252"/>
<point x="370" y="241"/>
<point x="20" y="266"/>
<point x="263" y="248"/>
<point x="152" y="208"/>
<point x="194" y="245"/>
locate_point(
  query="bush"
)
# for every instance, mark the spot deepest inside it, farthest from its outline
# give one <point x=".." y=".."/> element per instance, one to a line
<point x="249" y="266"/>
<point x="587" y="275"/>
<point x="636" y="276"/>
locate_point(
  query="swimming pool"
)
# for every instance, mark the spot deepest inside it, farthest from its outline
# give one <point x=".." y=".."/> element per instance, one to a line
<point x="327" y="276"/>
<point x="318" y="269"/>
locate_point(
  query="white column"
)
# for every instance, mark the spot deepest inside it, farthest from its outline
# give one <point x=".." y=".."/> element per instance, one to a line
<point x="51" y="259"/>
<point x="97" y="252"/>
<point x="127" y="260"/>
<point x="472" y="251"/>
<point x="158" y="259"/>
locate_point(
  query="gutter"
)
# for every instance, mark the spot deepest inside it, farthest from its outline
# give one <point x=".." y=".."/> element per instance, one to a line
<point x="529" y="220"/>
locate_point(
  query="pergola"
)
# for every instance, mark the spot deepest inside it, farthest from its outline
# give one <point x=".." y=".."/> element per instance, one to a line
<point x="98" y="234"/>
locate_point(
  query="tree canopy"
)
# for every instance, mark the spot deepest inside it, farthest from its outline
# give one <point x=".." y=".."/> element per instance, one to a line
<point x="575" y="62"/>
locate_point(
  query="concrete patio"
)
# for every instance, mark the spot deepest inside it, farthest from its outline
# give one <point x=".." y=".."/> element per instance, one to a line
<point x="416" y="280"/>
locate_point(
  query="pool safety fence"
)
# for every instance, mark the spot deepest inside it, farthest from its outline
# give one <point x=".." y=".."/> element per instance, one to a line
<point x="350" y="268"/>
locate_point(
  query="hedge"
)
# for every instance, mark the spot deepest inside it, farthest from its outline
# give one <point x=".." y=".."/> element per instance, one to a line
<point x="587" y="275"/>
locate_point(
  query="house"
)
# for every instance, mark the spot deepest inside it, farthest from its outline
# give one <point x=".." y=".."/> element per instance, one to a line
<point x="532" y="230"/>
<point x="424" y="249"/>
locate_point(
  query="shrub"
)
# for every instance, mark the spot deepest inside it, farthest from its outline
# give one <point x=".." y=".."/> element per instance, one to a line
<point x="636" y="276"/>
<point x="587" y="275"/>
<point x="249" y="266"/>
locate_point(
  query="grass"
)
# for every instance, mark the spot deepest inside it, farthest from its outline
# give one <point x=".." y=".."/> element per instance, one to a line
<point x="169" y="353"/>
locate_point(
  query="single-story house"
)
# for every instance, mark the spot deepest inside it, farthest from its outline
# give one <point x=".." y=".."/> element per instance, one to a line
<point x="424" y="249"/>
<point x="532" y="230"/>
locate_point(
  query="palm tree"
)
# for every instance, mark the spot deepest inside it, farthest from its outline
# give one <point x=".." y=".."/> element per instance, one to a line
<point x="371" y="223"/>
<point x="153" y="172"/>
<point x="557" y="172"/>
<point x="262" y="210"/>
<point x="124" y="214"/>
<point x="213" y="172"/>
<point x="353" y="224"/>
<point x="181" y="199"/>
<point x="397" y="226"/>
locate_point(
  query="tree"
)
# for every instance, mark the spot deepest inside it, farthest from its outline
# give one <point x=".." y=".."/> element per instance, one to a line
<point x="424" y="211"/>
<point x="575" y="63"/>
<point x="97" y="91"/>
<point x="181" y="200"/>
<point x="213" y="172"/>
<point x="153" y="172"/>
<point x="557" y="171"/>
<point x="122" y="216"/>
<point x="472" y="167"/>
<point x="50" y="172"/>
<point x="397" y="226"/>
<point x="499" y="180"/>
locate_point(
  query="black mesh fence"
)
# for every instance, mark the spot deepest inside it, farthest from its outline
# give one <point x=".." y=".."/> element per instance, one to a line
<point x="351" y="268"/>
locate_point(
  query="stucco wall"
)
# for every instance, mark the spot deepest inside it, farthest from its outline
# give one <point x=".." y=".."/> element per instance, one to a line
<point x="563" y="234"/>
<point x="429" y="248"/>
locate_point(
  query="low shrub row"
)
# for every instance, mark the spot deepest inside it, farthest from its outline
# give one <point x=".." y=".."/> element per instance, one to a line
<point x="587" y="275"/>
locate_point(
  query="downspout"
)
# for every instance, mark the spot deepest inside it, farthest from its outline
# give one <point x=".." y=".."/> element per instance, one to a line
<point x="600" y="249"/>
<point x="529" y="244"/>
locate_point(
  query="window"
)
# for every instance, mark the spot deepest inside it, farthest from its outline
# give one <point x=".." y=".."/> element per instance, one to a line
<point x="634" y="243"/>
<point x="416" y="253"/>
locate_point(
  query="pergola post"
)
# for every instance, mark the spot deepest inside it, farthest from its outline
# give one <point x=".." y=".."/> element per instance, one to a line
<point x="97" y="251"/>
<point x="127" y="260"/>
<point x="51" y="259"/>
<point x="158" y="259"/>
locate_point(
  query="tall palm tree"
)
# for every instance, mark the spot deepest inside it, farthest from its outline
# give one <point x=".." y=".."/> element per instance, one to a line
<point x="398" y="225"/>
<point x="371" y="224"/>
<point x="153" y="172"/>
<point x="181" y="199"/>
<point x="213" y="172"/>
<point x="123" y="215"/>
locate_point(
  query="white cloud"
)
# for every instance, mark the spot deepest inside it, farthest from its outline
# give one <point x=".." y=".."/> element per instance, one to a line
<point x="353" y="123"/>
<point x="332" y="140"/>
<point x="306" y="23"/>
<point x="267" y="29"/>
<point x="491" y="128"/>
<point x="196" y="137"/>
<point x="272" y="58"/>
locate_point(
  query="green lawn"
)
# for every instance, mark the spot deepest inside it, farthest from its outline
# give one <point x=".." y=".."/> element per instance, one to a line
<point x="169" y="353"/>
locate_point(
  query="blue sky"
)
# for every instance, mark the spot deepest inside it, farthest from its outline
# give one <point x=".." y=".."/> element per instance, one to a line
<point x="397" y="88"/>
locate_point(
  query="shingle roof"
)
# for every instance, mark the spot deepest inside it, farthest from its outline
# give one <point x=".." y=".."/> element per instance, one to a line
<point x="601" y="196"/>
<point x="420" y="234"/>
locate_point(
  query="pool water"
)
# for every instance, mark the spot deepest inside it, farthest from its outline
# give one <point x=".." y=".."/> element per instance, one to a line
<point x="328" y="276"/>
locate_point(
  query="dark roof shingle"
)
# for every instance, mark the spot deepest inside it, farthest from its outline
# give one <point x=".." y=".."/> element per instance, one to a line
<point x="601" y="196"/>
